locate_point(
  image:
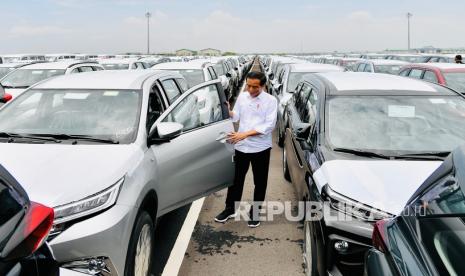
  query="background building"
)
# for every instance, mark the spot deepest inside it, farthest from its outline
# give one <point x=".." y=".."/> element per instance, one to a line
<point x="185" y="52"/>
<point x="210" y="52"/>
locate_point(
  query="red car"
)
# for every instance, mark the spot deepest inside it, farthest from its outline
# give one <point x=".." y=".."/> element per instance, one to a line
<point x="448" y="74"/>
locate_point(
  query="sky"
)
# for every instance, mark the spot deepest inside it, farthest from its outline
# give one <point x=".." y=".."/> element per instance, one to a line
<point x="242" y="26"/>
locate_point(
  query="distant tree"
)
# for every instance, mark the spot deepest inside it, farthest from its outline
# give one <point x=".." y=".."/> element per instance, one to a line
<point x="229" y="54"/>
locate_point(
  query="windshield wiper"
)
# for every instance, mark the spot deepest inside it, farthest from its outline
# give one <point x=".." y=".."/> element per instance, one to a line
<point x="362" y="153"/>
<point x="14" y="87"/>
<point x="435" y="155"/>
<point x="62" y="136"/>
<point x="22" y="136"/>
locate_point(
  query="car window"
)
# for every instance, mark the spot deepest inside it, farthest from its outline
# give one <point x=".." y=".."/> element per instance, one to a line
<point x="75" y="70"/>
<point x="96" y="68"/>
<point x="404" y="73"/>
<point x="219" y="69"/>
<point x="434" y="59"/>
<point x="361" y="67"/>
<point x="430" y="76"/>
<point x="212" y="73"/>
<point x="367" y="68"/>
<point x="309" y="109"/>
<point x="10" y="210"/>
<point x="200" y="108"/>
<point x="183" y="84"/>
<point x="85" y="69"/>
<point x="171" y="90"/>
<point x="155" y="106"/>
<point x="134" y="66"/>
<point x="416" y="73"/>
<point x="302" y="100"/>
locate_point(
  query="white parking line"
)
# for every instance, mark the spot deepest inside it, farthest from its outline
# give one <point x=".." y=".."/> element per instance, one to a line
<point x="182" y="242"/>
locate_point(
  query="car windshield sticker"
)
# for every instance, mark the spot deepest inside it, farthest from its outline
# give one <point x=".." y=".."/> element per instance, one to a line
<point x="401" y="111"/>
<point x="76" y="96"/>
<point x="110" y="93"/>
<point x="437" y="101"/>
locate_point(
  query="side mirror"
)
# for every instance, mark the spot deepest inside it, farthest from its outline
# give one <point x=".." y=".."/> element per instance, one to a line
<point x="228" y="75"/>
<point x="165" y="131"/>
<point x="302" y="131"/>
<point x="271" y="76"/>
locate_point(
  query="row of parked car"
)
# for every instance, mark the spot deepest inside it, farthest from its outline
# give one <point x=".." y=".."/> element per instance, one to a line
<point x="109" y="152"/>
<point x="16" y="77"/>
<point x="376" y="149"/>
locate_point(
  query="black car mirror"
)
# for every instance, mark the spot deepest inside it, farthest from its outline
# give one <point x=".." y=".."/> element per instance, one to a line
<point x="271" y="76"/>
<point x="228" y="75"/>
<point x="302" y="131"/>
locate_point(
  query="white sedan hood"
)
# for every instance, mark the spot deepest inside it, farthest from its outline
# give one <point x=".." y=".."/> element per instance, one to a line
<point x="386" y="185"/>
<point x="58" y="174"/>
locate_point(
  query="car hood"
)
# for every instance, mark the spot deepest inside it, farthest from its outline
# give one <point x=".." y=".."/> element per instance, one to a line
<point x="58" y="174"/>
<point x="386" y="185"/>
<point x="14" y="91"/>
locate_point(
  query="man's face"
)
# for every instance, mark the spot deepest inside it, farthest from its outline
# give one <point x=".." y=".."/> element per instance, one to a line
<point x="253" y="87"/>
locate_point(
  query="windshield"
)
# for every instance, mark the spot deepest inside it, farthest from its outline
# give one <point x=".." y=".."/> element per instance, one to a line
<point x="5" y="70"/>
<point x="116" y="66"/>
<point x="106" y="114"/>
<point x="456" y="81"/>
<point x="388" y="69"/>
<point x="393" y="124"/>
<point x="193" y="77"/>
<point x="294" y="79"/>
<point x="23" y="78"/>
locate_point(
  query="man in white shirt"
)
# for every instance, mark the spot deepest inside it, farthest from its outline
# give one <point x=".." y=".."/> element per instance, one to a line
<point x="256" y="112"/>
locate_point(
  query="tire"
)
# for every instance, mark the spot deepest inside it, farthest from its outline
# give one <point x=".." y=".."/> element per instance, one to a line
<point x="138" y="260"/>
<point x="309" y="251"/>
<point x="286" y="173"/>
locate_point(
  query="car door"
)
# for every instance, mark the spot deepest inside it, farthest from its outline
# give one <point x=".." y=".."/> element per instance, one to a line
<point x="195" y="164"/>
<point x="297" y="146"/>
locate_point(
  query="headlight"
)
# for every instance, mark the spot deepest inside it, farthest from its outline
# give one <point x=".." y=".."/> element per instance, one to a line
<point x="352" y="207"/>
<point x="88" y="205"/>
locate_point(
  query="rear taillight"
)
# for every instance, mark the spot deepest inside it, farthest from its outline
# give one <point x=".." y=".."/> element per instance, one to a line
<point x="379" y="236"/>
<point x="37" y="224"/>
<point x="7" y="97"/>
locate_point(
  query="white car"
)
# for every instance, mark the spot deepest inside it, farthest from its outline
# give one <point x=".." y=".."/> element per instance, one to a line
<point x="59" y="57"/>
<point x="27" y="58"/>
<point x="123" y="64"/>
<point x="111" y="152"/>
<point x="383" y="66"/>
<point x="19" y="80"/>
<point x="196" y="72"/>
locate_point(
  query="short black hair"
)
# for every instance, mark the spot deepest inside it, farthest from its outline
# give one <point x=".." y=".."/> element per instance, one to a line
<point x="258" y="76"/>
<point x="458" y="57"/>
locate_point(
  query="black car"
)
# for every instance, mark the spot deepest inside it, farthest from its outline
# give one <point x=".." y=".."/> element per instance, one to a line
<point x="428" y="238"/>
<point x="24" y="226"/>
<point x="357" y="146"/>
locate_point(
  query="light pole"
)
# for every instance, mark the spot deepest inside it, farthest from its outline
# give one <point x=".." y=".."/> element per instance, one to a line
<point x="148" y="15"/>
<point x="409" y="15"/>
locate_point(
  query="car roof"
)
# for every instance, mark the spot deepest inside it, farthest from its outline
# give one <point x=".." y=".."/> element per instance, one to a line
<point x="65" y="64"/>
<point x="314" y="67"/>
<point x="117" y="60"/>
<point x="118" y="79"/>
<point x="441" y="66"/>
<point x="13" y="64"/>
<point x="386" y="62"/>
<point x="375" y="84"/>
<point x="179" y="65"/>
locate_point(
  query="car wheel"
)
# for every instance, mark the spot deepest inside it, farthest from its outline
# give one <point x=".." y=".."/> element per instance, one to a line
<point x="140" y="251"/>
<point x="309" y="251"/>
<point x="286" y="173"/>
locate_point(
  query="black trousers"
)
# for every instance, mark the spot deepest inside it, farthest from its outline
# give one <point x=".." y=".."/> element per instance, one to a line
<point x="260" y="166"/>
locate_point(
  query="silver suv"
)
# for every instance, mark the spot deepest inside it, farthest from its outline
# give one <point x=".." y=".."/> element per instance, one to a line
<point x="112" y="151"/>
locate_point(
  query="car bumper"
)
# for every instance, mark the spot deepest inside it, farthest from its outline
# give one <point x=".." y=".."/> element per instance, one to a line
<point x="105" y="236"/>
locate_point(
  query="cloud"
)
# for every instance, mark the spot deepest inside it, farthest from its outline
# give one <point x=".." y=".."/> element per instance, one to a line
<point x="29" y="30"/>
<point x="360" y="16"/>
